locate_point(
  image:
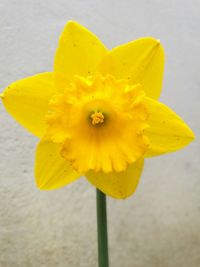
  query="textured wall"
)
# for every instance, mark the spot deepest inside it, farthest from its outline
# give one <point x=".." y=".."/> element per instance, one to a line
<point x="159" y="225"/>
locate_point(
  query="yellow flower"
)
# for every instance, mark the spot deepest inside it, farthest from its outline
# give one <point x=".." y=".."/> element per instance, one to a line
<point x="97" y="113"/>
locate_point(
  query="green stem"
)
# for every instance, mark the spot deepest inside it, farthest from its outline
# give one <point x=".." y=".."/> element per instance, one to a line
<point x="102" y="230"/>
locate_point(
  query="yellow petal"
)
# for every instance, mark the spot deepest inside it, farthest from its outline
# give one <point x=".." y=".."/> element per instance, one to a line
<point x="167" y="132"/>
<point x="27" y="101"/>
<point x="140" y="61"/>
<point x="79" y="52"/>
<point x="117" y="184"/>
<point x="51" y="170"/>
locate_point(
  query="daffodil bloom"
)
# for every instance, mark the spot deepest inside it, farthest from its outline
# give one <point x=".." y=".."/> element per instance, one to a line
<point x="97" y="113"/>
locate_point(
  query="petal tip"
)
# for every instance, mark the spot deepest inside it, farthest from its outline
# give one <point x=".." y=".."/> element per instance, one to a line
<point x="158" y="42"/>
<point x="2" y="95"/>
<point x="158" y="45"/>
<point x="39" y="186"/>
<point x="192" y="135"/>
<point x="189" y="134"/>
<point x="155" y="42"/>
<point x="71" y="23"/>
<point x="42" y="187"/>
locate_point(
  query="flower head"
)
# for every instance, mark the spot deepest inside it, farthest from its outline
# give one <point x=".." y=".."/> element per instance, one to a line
<point x="97" y="113"/>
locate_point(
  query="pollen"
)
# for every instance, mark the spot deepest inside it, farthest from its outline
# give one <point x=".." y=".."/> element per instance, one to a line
<point x="97" y="118"/>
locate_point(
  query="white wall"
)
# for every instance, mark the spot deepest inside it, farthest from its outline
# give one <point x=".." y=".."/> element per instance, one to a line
<point x="159" y="225"/>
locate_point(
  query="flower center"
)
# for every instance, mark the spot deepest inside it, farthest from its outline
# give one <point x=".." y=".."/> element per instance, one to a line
<point x="97" y="118"/>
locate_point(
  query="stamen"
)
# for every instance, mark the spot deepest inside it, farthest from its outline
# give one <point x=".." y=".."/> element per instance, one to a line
<point x="97" y="117"/>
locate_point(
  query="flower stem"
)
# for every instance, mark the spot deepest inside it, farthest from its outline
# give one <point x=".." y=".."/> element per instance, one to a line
<point x="102" y="230"/>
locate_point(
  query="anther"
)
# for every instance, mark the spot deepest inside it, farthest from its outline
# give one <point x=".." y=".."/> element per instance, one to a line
<point x="97" y="118"/>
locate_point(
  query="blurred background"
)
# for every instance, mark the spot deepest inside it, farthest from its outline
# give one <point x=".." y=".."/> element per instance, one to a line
<point x="159" y="226"/>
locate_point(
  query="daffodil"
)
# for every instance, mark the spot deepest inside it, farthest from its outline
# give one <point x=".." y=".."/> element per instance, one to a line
<point x="97" y="113"/>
